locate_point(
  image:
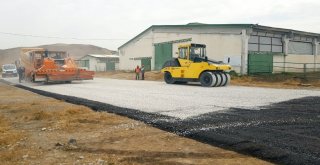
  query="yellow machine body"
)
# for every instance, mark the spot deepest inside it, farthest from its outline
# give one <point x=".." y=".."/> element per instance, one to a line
<point x="192" y="63"/>
<point x="193" y="70"/>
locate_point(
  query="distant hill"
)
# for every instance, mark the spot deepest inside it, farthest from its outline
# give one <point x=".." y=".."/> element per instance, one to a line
<point x="9" y="55"/>
<point x="75" y="51"/>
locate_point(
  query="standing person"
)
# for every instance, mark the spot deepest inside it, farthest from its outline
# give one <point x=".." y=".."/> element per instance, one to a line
<point x="142" y="72"/>
<point x="23" y="72"/>
<point x="137" y="71"/>
<point x="20" y="73"/>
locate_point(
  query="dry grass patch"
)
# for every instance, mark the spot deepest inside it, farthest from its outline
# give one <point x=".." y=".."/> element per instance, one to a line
<point x="41" y="115"/>
<point x="276" y="81"/>
<point x="9" y="142"/>
<point x="8" y="135"/>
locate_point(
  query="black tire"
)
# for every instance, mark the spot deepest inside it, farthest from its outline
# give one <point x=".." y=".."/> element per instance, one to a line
<point x="207" y="79"/>
<point x="219" y="79"/>
<point x="227" y="79"/>
<point x="168" y="78"/>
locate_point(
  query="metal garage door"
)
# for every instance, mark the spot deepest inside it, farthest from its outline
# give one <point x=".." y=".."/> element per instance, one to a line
<point x="163" y="52"/>
<point x="260" y="62"/>
<point x="147" y="63"/>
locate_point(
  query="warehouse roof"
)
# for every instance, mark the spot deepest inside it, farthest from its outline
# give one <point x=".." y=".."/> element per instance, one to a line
<point x="245" y="26"/>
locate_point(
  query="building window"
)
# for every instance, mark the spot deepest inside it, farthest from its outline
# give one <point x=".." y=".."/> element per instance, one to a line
<point x="297" y="47"/>
<point x="265" y="44"/>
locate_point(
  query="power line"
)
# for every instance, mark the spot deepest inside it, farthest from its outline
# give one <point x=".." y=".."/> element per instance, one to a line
<point x="55" y="37"/>
<point x="80" y="39"/>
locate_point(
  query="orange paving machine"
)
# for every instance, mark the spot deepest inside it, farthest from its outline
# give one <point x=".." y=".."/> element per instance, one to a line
<point x="42" y="65"/>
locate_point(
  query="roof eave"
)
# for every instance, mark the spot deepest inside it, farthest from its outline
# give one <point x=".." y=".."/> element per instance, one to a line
<point x="210" y="25"/>
<point x="197" y="25"/>
<point x="284" y="30"/>
<point x="140" y="34"/>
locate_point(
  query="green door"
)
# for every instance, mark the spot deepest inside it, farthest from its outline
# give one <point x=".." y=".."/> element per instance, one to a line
<point x="110" y="66"/>
<point x="163" y="52"/>
<point x="147" y="63"/>
<point x="260" y="62"/>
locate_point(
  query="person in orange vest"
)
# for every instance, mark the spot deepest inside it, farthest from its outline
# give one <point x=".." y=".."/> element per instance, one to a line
<point x="137" y="71"/>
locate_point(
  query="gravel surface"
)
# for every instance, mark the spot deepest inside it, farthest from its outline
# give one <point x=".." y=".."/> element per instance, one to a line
<point x="180" y="101"/>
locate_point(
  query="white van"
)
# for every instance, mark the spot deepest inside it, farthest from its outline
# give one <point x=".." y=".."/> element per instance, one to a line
<point x="9" y="70"/>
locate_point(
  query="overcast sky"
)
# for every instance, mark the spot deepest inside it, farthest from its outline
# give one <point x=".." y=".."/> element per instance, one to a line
<point x="110" y="23"/>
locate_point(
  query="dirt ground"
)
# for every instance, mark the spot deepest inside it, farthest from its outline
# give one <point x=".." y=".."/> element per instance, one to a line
<point x="278" y="81"/>
<point x="274" y="81"/>
<point x="39" y="130"/>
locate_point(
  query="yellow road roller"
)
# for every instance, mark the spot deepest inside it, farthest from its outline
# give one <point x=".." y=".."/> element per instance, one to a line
<point x="192" y="65"/>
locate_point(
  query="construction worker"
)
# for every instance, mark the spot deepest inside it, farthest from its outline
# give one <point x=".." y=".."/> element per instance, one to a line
<point x="20" y="73"/>
<point x="137" y="71"/>
<point x="142" y="72"/>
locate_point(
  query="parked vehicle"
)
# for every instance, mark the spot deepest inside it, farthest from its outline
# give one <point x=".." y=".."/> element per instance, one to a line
<point x="9" y="70"/>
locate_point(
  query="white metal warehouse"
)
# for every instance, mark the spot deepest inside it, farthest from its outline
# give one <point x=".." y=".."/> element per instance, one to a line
<point x="99" y="62"/>
<point x="247" y="47"/>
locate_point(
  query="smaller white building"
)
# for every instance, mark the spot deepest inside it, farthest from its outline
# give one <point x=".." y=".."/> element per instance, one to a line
<point x="99" y="62"/>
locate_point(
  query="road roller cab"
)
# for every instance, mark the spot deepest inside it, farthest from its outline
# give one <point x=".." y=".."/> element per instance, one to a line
<point x="192" y="65"/>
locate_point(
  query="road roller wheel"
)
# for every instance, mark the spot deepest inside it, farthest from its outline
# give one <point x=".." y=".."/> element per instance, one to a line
<point x="168" y="78"/>
<point x="224" y="79"/>
<point x="228" y="79"/>
<point x="219" y="79"/>
<point x="207" y="79"/>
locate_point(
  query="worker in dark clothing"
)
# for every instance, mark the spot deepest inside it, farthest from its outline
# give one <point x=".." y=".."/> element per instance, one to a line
<point x="137" y="71"/>
<point x="23" y="72"/>
<point x="142" y="72"/>
<point x="20" y="73"/>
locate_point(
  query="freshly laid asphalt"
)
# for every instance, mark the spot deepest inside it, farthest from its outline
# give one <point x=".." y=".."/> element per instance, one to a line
<point x="278" y="125"/>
